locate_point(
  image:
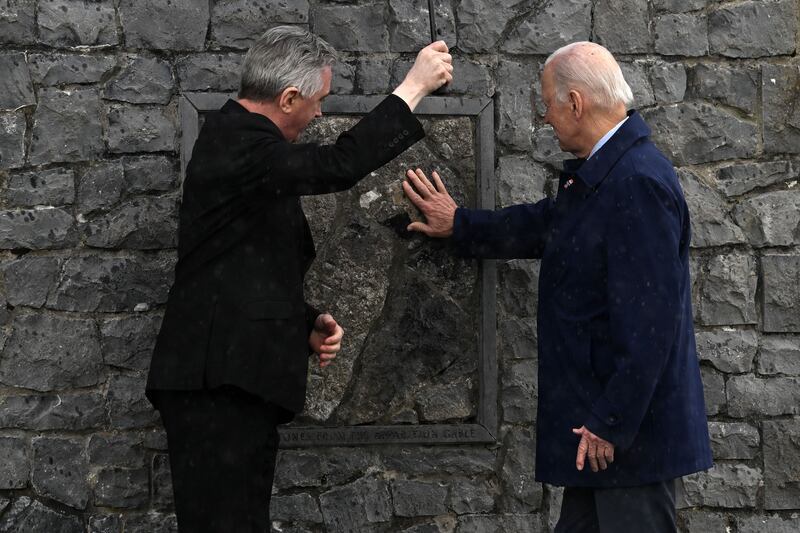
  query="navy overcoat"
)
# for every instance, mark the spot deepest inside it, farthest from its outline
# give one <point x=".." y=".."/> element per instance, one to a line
<point x="616" y="341"/>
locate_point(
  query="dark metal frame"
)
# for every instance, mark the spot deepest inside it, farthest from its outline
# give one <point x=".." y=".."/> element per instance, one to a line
<point x="485" y="430"/>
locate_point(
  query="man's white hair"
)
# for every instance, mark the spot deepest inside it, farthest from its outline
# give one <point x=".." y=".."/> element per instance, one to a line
<point x="592" y="68"/>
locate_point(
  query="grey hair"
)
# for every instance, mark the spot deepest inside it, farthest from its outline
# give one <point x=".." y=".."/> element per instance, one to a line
<point x="603" y="80"/>
<point x="285" y="56"/>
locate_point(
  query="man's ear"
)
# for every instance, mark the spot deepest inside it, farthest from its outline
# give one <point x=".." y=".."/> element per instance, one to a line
<point x="576" y="103"/>
<point x="288" y="98"/>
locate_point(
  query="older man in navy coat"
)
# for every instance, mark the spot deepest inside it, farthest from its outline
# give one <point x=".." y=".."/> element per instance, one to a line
<point x="619" y="380"/>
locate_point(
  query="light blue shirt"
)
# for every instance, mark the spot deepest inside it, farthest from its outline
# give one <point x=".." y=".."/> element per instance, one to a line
<point x="604" y="139"/>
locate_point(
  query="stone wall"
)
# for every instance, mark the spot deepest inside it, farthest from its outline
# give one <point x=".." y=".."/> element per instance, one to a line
<point x="89" y="186"/>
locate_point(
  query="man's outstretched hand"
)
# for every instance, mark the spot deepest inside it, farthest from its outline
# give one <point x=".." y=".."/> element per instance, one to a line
<point x="600" y="452"/>
<point x="326" y="339"/>
<point x="434" y="202"/>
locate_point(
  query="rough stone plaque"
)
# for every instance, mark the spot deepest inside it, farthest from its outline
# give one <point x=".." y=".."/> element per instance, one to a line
<point x="418" y="363"/>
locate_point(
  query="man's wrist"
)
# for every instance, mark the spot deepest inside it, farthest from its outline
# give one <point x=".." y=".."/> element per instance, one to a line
<point x="410" y="92"/>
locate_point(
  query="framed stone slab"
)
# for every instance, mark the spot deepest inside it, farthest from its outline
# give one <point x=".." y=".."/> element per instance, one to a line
<point x="419" y="362"/>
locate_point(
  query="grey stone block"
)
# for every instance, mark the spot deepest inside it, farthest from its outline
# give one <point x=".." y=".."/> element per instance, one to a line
<point x="742" y="178"/>
<point x="779" y="355"/>
<point x="16" y="88"/>
<point x="637" y="76"/>
<point x="681" y="35"/>
<point x="546" y="148"/>
<point x="140" y="224"/>
<point x="64" y="411"/>
<point x="517" y="288"/>
<point x="148" y="174"/>
<point x="780" y="90"/>
<point x="734" y="440"/>
<point x="49" y="352"/>
<point x="442" y="461"/>
<point x="128" y="408"/>
<point x="702" y="521"/>
<point x="356" y="506"/>
<point x="15" y="469"/>
<point x="61" y="470"/>
<point x="116" y="450"/>
<point x="128" y="341"/>
<point x="728" y="291"/>
<point x="518" y="398"/>
<point x="65" y="23"/>
<point x="693" y="133"/>
<point x="18" y="21"/>
<point x="43" y="187"/>
<point x="121" y="487"/>
<point x="773" y="524"/>
<point x="67" y="126"/>
<point x="300" y="507"/>
<point x="513" y="105"/>
<point x="782" y="464"/>
<point x="359" y="28"/>
<point x="669" y="82"/>
<point x="141" y="80"/>
<point x="409" y="27"/>
<point x="342" y="465"/>
<point x="754" y="29"/>
<point x="713" y="390"/>
<point x="679" y="6"/>
<point x="164" y="24"/>
<point x="296" y="468"/>
<point x="141" y="129"/>
<point x="150" y="522"/>
<point x="752" y="396"/>
<point x="12" y="140"/>
<point x="781" y="288"/>
<point x="29" y="279"/>
<point x="43" y="228"/>
<point x="206" y="72"/>
<point x="98" y="283"/>
<point x="105" y="523"/>
<point x="344" y="77"/>
<point x="478" y="32"/>
<point x="101" y="186"/>
<point x="732" y="486"/>
<point x="770" y="219"/>
<point x="467" y="497"/>
<point x="520" y="180"/>
<point x="163" y="497"/>
<point x="27" y="515"/>
<point x="732" y="85"/>
<point x="374" y="76"/>
<point x="239" y="23"/>
<point x="418" y="498"/>
<point x="454" y="399"/>
<point x="65" y="68"/>
<point x="471" y="78"/>
<point x="727" y="349"/>
<point x="709" y="213"/>
<point x="549" y="27"/>
<point x="629" y="38"/>
<point x="499" y="523"/>
<point x="155" y="439"/>
<point x="516" y="339"/>
<point x="521" y="492"/>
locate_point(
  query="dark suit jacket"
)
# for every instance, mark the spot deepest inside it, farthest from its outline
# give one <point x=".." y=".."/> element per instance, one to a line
<point x="236" y="313"/>
<point x="615" y="333"/>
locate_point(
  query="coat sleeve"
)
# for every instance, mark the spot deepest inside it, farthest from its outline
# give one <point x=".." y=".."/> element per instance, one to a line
<point x="644" y="295"/>
<point x="288" y="169"/>
<point x="516" y="232"/>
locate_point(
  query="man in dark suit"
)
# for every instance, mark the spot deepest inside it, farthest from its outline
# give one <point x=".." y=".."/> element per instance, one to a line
<point x="230" y="362"/>
<point x="619" y="380"/>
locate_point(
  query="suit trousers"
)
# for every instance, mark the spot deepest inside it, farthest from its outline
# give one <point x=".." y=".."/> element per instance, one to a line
<point x="643" y="509"/>
<point x="223" y="445"/>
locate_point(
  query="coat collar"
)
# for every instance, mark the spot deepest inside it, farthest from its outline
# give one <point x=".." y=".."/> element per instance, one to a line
<point x="592" y="171"/>
<point x="232" y="106"/>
